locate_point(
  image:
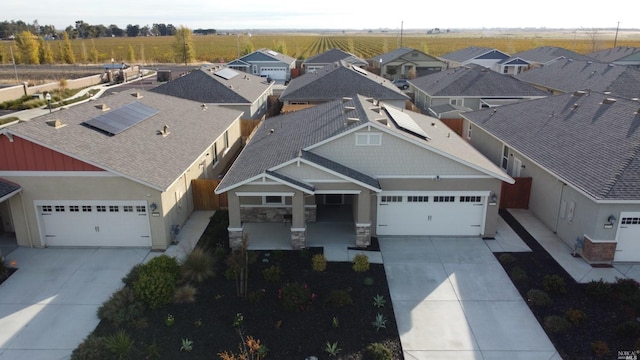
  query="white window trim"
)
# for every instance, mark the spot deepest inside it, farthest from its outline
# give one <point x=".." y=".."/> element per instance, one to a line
<point x="264" y="200"/>
<point x="368" y="139"/>
<point x="504" y="158"/>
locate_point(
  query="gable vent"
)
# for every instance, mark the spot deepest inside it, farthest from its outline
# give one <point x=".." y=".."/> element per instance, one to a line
<point x="608" y="101"/>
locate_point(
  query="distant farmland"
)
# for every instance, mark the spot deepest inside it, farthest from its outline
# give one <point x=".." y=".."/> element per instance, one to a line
<point x="217" y="48"/>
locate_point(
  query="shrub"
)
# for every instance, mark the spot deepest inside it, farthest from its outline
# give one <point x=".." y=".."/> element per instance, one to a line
<point x="360" y="263"/>
<point x="628" y="329"/>
<point x="255" y="296"/>
<point x="625" y="287"/>
<point x="319" y="262"/>
<point x="556" y="324"/>
<point x="198" y="266"/>
<point x="576" y="316"/>
<point x="598" y="290"/>
<point x="379" y="351"/>
<point x="119" y="345"/>
<point x="368" y="281"/>
<point x="185" y="294"/>
<point x="538" y="297"/>
<point x="122" y="307"/>
<point x="132" y="276"/>
<point x="600" y="348"/>
<point x="273" y="273"/>
<point x="506" y="259"/>
<point x="554" y="284"/>
<point x="156" y="282"/>
<point x="339" y="298"/>
<point x="91" y="348"/>
<point x="518" y="275"/>
<point x="295" y="297"/>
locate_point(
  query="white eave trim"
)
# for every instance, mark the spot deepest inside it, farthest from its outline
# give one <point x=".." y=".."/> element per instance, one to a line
<point x="10" y="195"/>
<point x="263" y="176"/>
<point x="263" y="193"/>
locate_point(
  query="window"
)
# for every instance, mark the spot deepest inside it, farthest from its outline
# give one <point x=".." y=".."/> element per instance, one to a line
<point x="59" y="208"/>
<point x="472" y="199"/>
<point x="101" y="208"/>
<point x="226" y="140"/>
<point x="114" y="208"/>
<point x="469" y="131"/>
<point x="456" y="102"/>
<point x="46" y="208"/>
<point x="273" y="200"/>
<point x="215" y="153"/>
<point x="389" y="198"/>
<point x="141" y="209"/>
<point x="127" y="208"/>
<point x="630" y="221"/>
<point x="368" y="139"/>
<point x="74" y="208"/>
<point x="86" y="208"/>
<point x="505" y="157"/>
<point x="417" y="199"/>
<point x="444" y="198"/>
<point x="505" y="70"/>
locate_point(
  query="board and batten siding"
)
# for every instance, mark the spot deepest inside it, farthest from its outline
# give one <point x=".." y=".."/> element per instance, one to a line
<point x="307" y="173"/>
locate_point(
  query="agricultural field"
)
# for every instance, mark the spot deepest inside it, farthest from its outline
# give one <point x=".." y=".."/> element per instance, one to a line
<point x="223" y="48"/>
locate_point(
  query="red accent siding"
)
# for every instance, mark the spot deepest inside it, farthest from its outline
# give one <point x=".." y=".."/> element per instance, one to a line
<point x="23" y="155"/>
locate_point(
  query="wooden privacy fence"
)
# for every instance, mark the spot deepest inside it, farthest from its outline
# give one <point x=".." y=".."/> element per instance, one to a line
<point x="516" y="196"/>
<point x="204" y="196"/>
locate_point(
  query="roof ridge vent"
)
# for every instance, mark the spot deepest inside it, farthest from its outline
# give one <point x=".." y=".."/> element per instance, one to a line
<point x="56" y="124"/>
<point x="346" y="98"/>
<point x="580" y="93"/>
<point x="352" y="120"/>
<point x="349" y="108"/>
<point x="137" y="95"/>
<point x="103" y="107"/>
<point x="609" y="101"/>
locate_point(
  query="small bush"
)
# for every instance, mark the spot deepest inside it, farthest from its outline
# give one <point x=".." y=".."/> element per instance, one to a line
<point x="273" y="273"/>
<point x="556" y="324"/>
<point x="554" y="284"/>
<point x="91" y="348"/>
<point x="598" y="290"/>
<point x="576" y="316"/>
<point x="198" y="266"/>
<point x="368" y="281"/>
<point x="360" y="263"/>
<point x="538" y="297"/>
<point x="628" y="329"/>
<point x="296" y="297"/>
<point x="255" y="297"/>
<point x="121" y="308"/>
<point x="185" y="294"/>
<point x="132" y="276"/>
<point x="339" y="298"/>
<point x="156" y="282"/>
<point x="319" y="262"/>
<point x="506" y="259"/>
<point x="119" y="345"/>
<point x="625" y="287"/>
<point x="518" y="275"/>
<point x="600" y="348"/>
<point x="379" y="351"/>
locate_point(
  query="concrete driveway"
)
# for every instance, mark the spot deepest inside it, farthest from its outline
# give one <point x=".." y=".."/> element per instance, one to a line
<point x="453" y="300"/>
<point x="49" y="305"/>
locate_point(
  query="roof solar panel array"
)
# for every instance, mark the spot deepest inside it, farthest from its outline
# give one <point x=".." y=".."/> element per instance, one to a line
<point x="121" y="119"/>
<point x="405" y="122"/>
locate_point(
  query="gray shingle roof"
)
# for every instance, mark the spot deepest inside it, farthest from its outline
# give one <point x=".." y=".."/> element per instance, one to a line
<point x="593" y="146"/>
<point x="572" y="75"/>
<point x="268" y="53"/>
<point x="205" y="86"/>
<point x="614" y="54"/>
<point x="546" y="54"/>
<point x="7" y="187"/>
<point x="337" y="80"/>
<point x="467" y="54"/>
<point x="333" y="55"/>
<point x="391" y="55"/>
<point x="474" y="80"/>
<point x="137" y="153"/>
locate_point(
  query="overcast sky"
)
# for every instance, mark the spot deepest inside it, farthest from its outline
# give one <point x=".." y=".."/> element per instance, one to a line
<point x="329" y="14"/>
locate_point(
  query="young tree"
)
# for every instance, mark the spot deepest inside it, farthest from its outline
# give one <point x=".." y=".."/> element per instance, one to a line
<point x="45" y="53"/>
<point x="183" y="45"/>
<point x="84" y="56"/>
<point x="93" y="53"/>
<point x="27" y="48"/>
<point x="131" y="54"/>
<point x="67" y="52"/>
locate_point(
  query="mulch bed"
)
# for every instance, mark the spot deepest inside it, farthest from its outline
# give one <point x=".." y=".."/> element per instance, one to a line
<point x="603" y="317"/>
<point x="209" y="321"/>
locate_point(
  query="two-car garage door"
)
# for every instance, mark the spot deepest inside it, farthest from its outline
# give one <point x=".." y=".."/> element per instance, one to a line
<point x="275" y="73"/>
<point x="432" y="213"/>
<point x="94" y="223"/>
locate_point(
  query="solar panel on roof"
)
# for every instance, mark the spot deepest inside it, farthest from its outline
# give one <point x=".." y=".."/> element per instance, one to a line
<point x="226" y="73"/>
<point x="405" y="122"/>
<point x="121" y="119"/>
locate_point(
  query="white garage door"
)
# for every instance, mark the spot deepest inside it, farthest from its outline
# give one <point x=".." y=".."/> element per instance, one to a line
<point x="94" y="223"/>
<point x="628" y="237"/>
<point x="450" y="213"/>
<point x="277" y="73"/>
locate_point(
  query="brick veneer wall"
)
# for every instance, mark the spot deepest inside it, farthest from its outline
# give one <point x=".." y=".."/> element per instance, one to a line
<point x="273" y="214"/>
<point x="598" y="251"/>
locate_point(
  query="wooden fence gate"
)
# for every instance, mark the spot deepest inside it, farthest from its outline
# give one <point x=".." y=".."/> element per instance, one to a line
<point x="516" y="196"/>
<point x="204" y="197"/>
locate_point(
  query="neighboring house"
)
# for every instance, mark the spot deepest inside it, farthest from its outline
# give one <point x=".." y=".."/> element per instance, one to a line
<point x="399" y="172"/>
<point x="621" y="55"/>
<point x="448" y="93"/>
<point x="113" y="172"/>
<point x="565" y="76"/>
<point x="319" y="61"/>
<point x="8" y="190"/>
<point x="580" y="151"/>
<point x="538" y="57"/>
<point x="475" y="55"/>
<point x="335" y="81"/>
<point x="265" y="63"/>
<point x="222" y="86"/>
<point x="405" y="63"/>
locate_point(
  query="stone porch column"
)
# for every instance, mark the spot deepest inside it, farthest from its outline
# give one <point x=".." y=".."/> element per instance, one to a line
<point x="363" y="219"/>
<point x="235" y="223"/>
<point x="298" y="226"/>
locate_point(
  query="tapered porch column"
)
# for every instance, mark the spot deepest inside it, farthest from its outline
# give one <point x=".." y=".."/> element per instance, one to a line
<point x="235" y="223"/>
<point x="298" y="225"/>
<point x="363" y="219"/>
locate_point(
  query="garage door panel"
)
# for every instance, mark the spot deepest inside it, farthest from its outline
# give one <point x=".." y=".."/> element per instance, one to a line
<point x="628" y="237"/>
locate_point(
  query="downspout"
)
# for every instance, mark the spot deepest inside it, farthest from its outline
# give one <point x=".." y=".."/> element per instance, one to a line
<point x="26" y="220"/>
<point x="555" y="230"/>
